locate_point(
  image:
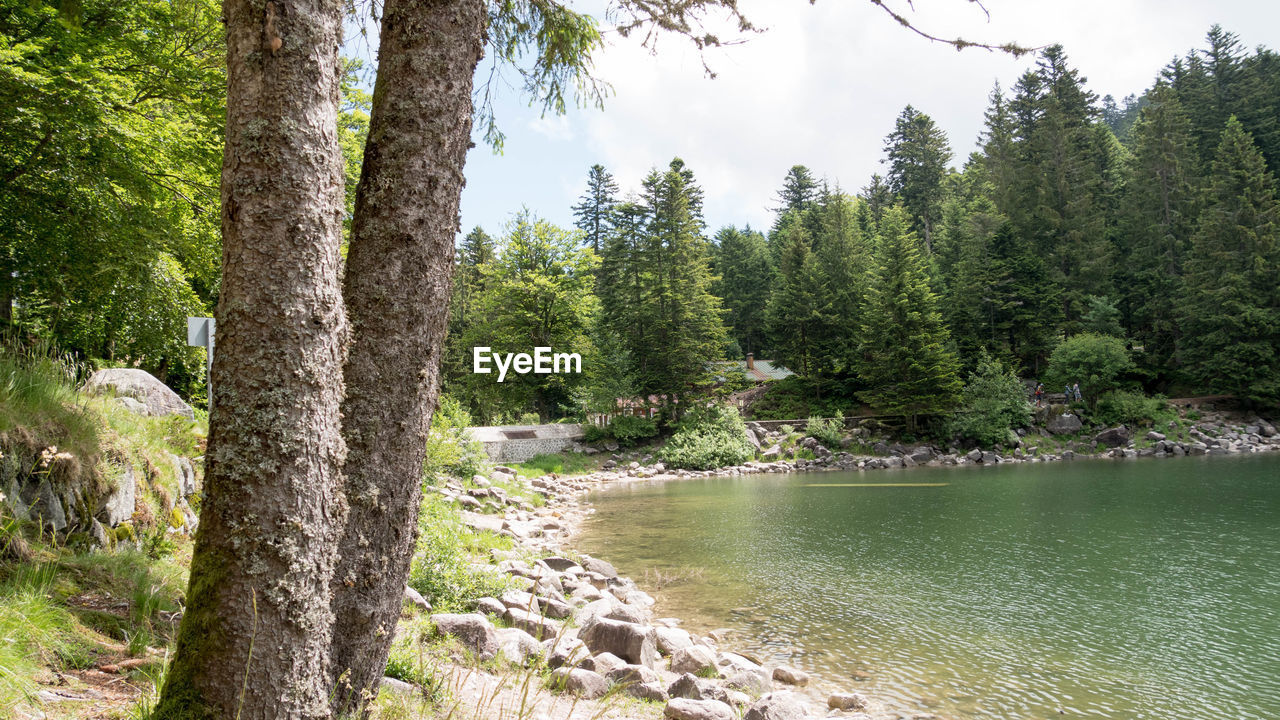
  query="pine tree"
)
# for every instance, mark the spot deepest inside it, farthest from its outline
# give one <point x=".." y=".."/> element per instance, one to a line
<point x="1064" y="181"/>
<point x="799" y="190"/>
<point x="1231" y="310"/>
<point x="878" y="197"/>
<point x="798" y="310"/>
<point x="655" y="287"/>
<point x="904" y="356"/>
<point x="594" y="211"/>
<point x="918" y="154"/>
<point x="1158" y="216"/>
<point x="746" y="279"/>
<point x="843" y="257"/>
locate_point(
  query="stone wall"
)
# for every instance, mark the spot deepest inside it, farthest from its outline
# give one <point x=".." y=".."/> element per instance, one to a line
<point x="517" y="443"/>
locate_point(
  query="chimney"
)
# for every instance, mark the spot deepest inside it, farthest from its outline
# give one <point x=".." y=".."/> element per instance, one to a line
<point x="751" y="361"/>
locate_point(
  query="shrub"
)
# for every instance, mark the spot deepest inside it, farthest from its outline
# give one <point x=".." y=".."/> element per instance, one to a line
<point x="450" y="449"/>
<point x="827" y="431"/>
<point x="992" y="403"/>
<point x="629" y="430"/>
<point x="708" y="437"/>
<point x="441" y="568"/>
<point x="1097" y="362"/>
<point x="1121" y="407"/>
<point x="593" y="433"/>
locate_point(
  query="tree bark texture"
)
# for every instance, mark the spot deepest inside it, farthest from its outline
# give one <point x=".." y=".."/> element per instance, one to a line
<point x="397" y="289"/>
<point x="254" y="640"/>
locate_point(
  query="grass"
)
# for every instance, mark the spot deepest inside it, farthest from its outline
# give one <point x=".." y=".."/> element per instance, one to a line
<point x="569" y="463"/>
<point x="442" y="566"/>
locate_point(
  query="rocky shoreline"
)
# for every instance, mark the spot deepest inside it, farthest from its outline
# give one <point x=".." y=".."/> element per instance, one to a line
<point x="598" y="632"/>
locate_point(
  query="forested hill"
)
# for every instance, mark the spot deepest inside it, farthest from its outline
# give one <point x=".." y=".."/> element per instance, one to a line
<point x="1153" y="222"/>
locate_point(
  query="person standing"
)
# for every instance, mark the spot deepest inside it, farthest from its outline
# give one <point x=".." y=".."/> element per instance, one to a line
<point x="1039" y="394"/>
<point x="1075" y="390"/>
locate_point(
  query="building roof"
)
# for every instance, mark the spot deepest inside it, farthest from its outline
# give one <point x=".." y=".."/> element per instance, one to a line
<point x="763" y="370"/>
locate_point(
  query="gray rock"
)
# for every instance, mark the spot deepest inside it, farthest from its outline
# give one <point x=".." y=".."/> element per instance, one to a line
<point x="752" y="682"/>
<point x="637" y="644"/>
<point x="632" y="675"/>
<point x="686" y="709"/>
<point x="560" y="564"/>
<point x="605" y="662"/>
<point x="491" y="606"/>
<point x="517" y="645"/>
<point x="672" y="639"/>
<point x="652" y="691"/>
<point x="1113" y="437"/>
<point x="400" y="687"/>
<point x="990" y="458"/>
<point x="973" y="455"/>
<point x="536" y="625"/>
<point x="48" y="508"/>
<point x="415" y="598"/>
<point x="777" y="706"/>
<point x="1064" y="424"/>
<point x="696" y="659"/>
<point x="1155" y="436"/>
<point x="790" y="676"/>
<point x="583" y="683"/>
<point x="564" y="651"/>
<point x="596" y="565"/>
<point x="142" y="386"/>
<point x="474" y="631"/>
<point x="847" y="701"/>
<point x="121" y="502"/>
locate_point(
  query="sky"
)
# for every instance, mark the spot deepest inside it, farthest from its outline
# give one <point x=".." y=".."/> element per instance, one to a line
<point x="820" y="87"/>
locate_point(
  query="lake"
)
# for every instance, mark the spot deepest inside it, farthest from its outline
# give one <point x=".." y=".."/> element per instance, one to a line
<point x="1095" y="589"/>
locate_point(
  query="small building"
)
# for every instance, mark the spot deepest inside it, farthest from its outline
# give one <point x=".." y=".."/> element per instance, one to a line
<point x="754" y="371"/>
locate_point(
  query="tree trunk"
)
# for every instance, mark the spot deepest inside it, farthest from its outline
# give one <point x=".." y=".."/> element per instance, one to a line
<point x="254" y="640"/>
<point x="397" y="289"/>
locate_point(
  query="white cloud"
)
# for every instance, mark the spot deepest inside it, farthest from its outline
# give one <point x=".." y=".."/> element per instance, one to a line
<point x="822" y="88"/>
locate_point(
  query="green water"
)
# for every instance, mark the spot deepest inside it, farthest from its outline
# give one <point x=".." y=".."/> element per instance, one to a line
<point x="1100" y="589"/>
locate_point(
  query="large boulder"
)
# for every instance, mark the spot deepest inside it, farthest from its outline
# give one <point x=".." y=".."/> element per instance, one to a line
<point x="695" y="659"/>
<point x="672" y="639"/>
<point x="637" y="644"/>
<point x="473" y="630"/>
<point x="1058" y="419"/>
<point x="141" y="386"/>
<point x="1113" y="437"/>
<point x="686" y="709"/>
<point x="584" y="683"/>
<point x="777" y="706"/>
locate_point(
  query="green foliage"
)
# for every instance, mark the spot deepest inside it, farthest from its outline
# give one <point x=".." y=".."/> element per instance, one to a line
<point x="1121" y="407"/>
<point x="746" y="277"/>
<point x="918" y="153"/>
<point x="1099" y="363"/>
<point x="630" y="430"/>
<point x="708" y="437"/>
<point x="904" y="357"/>
<point x="1231" y="313"/>
<point x="828" y="431"/>
<point x="1101" y="317"/>
<point x="655" y="288"/>
<point x="537" y="291"/>
<point x="993" y="403"/>
<point x="111" y="131"/>
<point x="450" y="449"/>
<point x="442" y="566"/>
